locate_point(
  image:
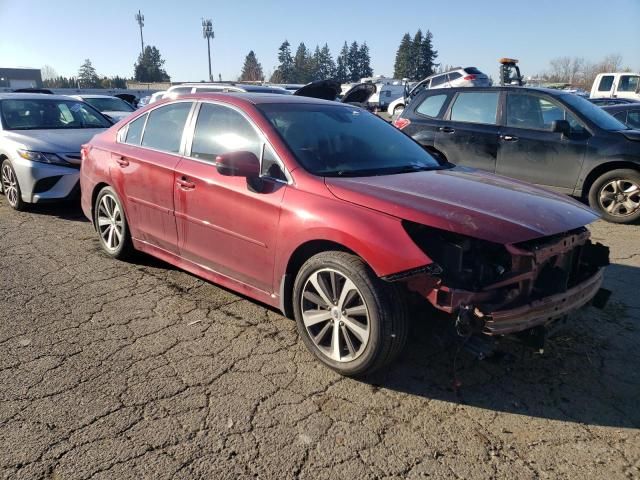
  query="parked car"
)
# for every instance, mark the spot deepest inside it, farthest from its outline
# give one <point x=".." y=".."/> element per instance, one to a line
<point x="155" y="97"/>
<point x="603" y="102"/>
<point x="332" y="215"/>
<point x="616" y="85"/>
<point x="357" y="94"/>
<point x="627" y="113"/>
<point x="40" y="139"/>
<point x="113" y="107"/>
<point x="545" y="137"/>
<point x="187" y="88"/>
<point x="457" y="77"/>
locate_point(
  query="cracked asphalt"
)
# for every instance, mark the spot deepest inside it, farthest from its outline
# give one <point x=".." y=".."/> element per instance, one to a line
<point x="113" y="370"/>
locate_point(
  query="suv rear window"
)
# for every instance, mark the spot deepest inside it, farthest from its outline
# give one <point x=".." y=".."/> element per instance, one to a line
<point x="431" y="105"/>
<point x="475" y="107"/>
<point x="473" y="71"/>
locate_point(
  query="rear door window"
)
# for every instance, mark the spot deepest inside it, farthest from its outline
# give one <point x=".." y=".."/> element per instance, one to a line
<point x="439" y="80"/>
<point x="475" y="107"/>
<point x="633" y="119"/>
<point x="431" y="105"/>
<point x="165" y="126"/>
<point x="606" y="82"/>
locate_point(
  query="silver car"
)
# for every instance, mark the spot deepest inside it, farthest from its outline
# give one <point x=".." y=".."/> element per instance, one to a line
<point x="40" y="140"/>
<point x="113" y="107"/>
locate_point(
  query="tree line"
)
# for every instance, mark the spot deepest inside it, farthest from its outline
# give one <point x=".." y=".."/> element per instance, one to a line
<point x="415" y="58"/>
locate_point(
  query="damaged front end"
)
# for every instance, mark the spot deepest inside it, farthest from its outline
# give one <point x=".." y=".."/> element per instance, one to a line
<point x="496" y="289"/>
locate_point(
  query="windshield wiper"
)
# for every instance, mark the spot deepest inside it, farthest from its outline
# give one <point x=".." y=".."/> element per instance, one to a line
<point x="371" y="172"/>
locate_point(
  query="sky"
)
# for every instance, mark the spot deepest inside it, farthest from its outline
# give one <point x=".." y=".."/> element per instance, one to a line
<point x="62" y="33"/>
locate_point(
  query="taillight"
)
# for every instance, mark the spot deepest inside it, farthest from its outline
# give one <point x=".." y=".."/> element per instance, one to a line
<point x="400" y="123"/>
<point x="469" y="77"/>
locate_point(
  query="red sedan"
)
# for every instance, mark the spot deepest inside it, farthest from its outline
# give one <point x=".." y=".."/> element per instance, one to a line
<point x="334" y="216"/>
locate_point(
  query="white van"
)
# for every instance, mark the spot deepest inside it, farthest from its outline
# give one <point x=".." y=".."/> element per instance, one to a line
<point x="616" y="85"/>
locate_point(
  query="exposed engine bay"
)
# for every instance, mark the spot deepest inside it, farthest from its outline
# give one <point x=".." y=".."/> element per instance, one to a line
<point x="499" y="289"/>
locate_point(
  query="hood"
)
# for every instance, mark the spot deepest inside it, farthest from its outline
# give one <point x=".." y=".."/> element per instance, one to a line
<point x="117" y="116"/>
<point x="631" y="134"/>
<point x="53" y="141"/>
<point x="359" y="93"/>
<point x="322" y="89"/>
<point x="468" y="202"/>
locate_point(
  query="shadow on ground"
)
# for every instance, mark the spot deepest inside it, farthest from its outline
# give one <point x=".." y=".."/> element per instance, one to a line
<point x="587" y="374"/>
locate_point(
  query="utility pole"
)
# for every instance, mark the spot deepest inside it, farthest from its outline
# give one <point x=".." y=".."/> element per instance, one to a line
<point x="140" y="19"/>
<point x="207" y="32"/>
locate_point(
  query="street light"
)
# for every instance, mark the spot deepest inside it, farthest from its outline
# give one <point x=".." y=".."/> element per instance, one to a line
<point x="140" y="19"/>
<point x="207" y="32"/>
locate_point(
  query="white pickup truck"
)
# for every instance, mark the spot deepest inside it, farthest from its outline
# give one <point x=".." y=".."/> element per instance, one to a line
<point x="616" y="85"/>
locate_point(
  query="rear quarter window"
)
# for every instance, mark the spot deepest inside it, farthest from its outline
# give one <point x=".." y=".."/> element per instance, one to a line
<point x="133" y="133"/>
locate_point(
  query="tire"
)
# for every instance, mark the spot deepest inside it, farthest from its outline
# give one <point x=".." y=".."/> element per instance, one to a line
<point x="370" y="336"/>
<point x="10" y="186"/>
<point x="397" y="111"/>
<point x="616" y="195"/>
<point x="111" y="224"/>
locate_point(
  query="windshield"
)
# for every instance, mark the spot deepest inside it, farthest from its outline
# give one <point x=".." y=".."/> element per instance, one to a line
<point x="46" y="114"/>
<point x="336" y="141"/>
<point x="594" y="113"/>
<point x="109" y="104"/>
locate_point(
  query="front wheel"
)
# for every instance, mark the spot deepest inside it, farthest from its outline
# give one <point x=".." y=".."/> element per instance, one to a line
<point x="352" y="321"/>
<point x="616" y="195"/>
<point x="10" y="187"/>
<point x="111" y="224"/>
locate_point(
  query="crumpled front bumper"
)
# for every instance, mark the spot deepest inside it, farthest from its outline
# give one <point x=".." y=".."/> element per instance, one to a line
<point x="542" y="311"/>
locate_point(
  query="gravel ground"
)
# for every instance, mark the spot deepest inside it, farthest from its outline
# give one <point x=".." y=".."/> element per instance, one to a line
<point x="138" y="370"/>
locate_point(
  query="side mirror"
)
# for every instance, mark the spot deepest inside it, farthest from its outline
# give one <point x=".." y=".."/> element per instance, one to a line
<point x="238" y="164"/>
<point x="561" y="126"/>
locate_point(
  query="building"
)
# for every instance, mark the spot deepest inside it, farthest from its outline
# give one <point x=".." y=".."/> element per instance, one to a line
<point x="20" y="78"/>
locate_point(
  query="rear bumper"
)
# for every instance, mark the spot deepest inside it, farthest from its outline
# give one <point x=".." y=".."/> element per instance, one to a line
<point x="543" y="311"/>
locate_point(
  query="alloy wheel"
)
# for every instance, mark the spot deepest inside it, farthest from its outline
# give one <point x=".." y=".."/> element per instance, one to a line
<point x="620" y="197"/>
<point x="110" y="222"/>
<point x="10" y="185"/>
<point x="335" y="315"/>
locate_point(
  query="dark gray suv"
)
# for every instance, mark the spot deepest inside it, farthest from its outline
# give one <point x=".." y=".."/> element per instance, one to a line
<point x="546" y="137"/>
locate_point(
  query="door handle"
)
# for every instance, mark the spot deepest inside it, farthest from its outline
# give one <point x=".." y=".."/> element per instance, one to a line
<point x="447" y="129"/>
<point x="509" y="138"/>
<point x="121" y="161"/>
<point x="185" y="184"/>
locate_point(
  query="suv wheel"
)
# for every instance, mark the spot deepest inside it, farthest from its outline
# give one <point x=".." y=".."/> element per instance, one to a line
<point x="397" y="111"/>
<point x="111" y="224"/>
<point x="347" y="317"/>
<point x="10" y="187"/>
<point x="616" y="195"/>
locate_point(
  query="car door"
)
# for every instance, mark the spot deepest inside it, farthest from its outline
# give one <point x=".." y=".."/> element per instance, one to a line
<point x="470" y="136"/>
<point x="425" y="116"/>
<point x="605" y="87"/>
<point x="228" y="224"/>
<point x="530" y="151"/>
<point x="142" y="170"/>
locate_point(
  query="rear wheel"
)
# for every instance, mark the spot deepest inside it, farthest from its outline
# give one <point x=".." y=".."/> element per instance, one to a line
<point x="616" y="195"/>
<point x="347" y="317"/>
<point x="111" y="224"/>
<point x="10" y="186"/>
<point x="397" y="111"/>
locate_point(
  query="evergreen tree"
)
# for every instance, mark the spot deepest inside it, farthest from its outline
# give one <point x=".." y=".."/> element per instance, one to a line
<point x="315" y="65"/>
<point x="416" y="57"/>
<point x="301" y="64"/>
<point x="342" y="69"/>
<point x="252" y="70"/>
<point x="284" y="72"/>
<point x="402" y="66"/>
<point x="148" y="68"/>
<point x="327" y="66"/>
<point x="364" y="61"/>
<point x="87" y="75"/>
<point x="353" y="62"/>
<point x="427" y="57"/>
